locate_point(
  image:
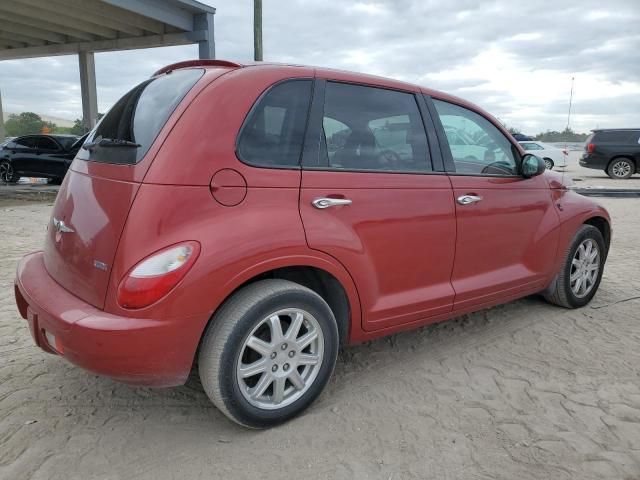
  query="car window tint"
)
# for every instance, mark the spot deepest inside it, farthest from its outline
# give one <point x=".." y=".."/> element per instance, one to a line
<point x="368" y="128"/>
<point x="26" y="142"/>
<point x="273" y="133"/>
<point x="619" y="136"/>
<point x="45" y="143"/>
<point x="480" y="147"/>
<point x="140" y="114"/>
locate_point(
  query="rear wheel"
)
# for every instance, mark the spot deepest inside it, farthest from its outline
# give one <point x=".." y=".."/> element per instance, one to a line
<point x="7" y="174"/>
<point x="548" y="163"/>
<point x="621" y="168"/>
<point x="55" y="181"/>
<point x="268" y="353"/>
<point x="579" y="279"/>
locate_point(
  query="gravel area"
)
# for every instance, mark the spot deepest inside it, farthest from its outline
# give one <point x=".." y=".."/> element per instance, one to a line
<point x="522" y="391"/>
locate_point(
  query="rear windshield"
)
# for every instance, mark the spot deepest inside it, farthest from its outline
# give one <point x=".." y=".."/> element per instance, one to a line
<point x="126" y="132"/>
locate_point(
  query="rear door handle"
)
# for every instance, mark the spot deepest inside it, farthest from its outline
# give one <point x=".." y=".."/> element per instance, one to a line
<point x="322" y="203"/>
<point x="468" y="199"/>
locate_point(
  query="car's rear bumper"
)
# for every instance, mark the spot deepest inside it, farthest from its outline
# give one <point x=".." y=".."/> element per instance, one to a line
<point x="152" y="352"/>
<point x="590" y="161"/>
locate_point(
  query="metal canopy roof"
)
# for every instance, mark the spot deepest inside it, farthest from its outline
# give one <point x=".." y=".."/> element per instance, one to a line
<point x="39" y="28"/>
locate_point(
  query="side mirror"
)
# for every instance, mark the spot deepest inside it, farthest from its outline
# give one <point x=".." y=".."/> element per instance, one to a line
<point x="532" y="166"/>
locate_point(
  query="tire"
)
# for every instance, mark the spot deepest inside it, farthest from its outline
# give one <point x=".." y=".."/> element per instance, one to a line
<point x="548" y="163"/>
<point x="55" y="181"/>
<point x="561" y="292"/>
<point x="7" y="174"/>
<point x="621" y="169"/>
<point x="247" y="317"/>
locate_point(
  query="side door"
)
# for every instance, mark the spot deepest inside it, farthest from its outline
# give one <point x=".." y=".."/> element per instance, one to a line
<point x="507" y="228"/>
<point x="51" y="158"/>
<point x="370" y="197"/>
<point x="23" y="154"/>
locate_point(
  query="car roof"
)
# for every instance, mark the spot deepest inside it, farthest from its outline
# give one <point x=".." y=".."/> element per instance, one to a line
<point x="339" y="75"/>
<point x="615" y="129"/>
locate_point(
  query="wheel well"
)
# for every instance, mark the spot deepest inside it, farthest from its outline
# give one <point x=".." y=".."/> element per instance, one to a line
<point x="321" y="282"/>
<point x="617" y="157"/>
<point x="601" y="224"/>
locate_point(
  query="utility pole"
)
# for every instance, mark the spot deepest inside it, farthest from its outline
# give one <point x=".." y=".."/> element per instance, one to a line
<point x="570" y="102"/>
<point x="2" y="133"/>
<point x="257" y="30"/>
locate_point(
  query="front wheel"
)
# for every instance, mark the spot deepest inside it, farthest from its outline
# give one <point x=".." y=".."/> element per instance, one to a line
<point x="621" y="169"/>
<point x="268" y="353"/>
<point x="579" y="279"/>
<point x="7" y="174"/>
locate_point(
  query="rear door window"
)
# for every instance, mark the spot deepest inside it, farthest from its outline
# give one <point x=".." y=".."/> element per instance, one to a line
<point x="615" y="136"/>
<point x="273" y="133"/>
<point x="369" y="128"/>
<point x="26" y="142"/>
<point x="127" y="131"/>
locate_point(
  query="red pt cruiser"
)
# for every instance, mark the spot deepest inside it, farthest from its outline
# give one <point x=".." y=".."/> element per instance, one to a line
<point x="254" y="218"/>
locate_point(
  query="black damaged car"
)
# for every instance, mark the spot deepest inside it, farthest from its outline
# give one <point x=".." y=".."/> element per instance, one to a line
<point x="45" y="156"/>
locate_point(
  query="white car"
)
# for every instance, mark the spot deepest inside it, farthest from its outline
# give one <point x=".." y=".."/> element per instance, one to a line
<point x="553" y="157"/>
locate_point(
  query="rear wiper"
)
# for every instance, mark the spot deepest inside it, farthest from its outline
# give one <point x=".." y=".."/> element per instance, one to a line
<point x="109" y="142"/>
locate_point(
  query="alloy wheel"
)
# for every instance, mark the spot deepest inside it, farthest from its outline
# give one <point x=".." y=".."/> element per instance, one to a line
<point x="585" y="267"/>
<point x="6" y="172"/>
<point x="621" y="169"/>
<point x="280" y="359"/>
<point x="548" y="164"/>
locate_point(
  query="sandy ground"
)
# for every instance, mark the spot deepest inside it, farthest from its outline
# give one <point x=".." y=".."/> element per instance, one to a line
<point x="590" y="178"/>
<point x="522" y="391"/>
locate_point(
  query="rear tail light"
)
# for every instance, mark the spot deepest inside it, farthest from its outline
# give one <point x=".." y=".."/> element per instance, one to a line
<point x="155" y="276"/>
<point x="591" y="147"/>
<point x="565" y="152"/>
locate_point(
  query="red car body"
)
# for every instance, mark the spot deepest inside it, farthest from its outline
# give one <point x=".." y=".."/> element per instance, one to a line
<point x="403" y="255"/>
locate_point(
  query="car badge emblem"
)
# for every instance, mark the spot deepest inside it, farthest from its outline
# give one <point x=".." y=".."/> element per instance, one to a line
<point x="61" y="227"/>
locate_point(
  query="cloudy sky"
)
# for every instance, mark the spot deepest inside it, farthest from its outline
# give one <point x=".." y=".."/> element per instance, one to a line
<point x="515" y="59"/>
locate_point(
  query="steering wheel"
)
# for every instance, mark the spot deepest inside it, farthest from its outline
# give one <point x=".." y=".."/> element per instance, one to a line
<point x="389" y="157"/>
<point x="502" y="166"/>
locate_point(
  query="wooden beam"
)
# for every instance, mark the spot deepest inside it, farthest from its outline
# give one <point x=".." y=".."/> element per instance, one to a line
<point x="20" y="38"/>
<point x="44" y="25"/>
<point x="26" y="7"/>
<point x="123" y="16"/>
<point x="34" y="33"/>
<point x="130" y="43"/>
<point x="85" y="14"/>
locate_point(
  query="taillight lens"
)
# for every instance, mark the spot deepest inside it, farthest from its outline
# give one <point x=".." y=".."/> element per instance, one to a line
<point x="155" y="276"/>
<point x="591" y="147"/>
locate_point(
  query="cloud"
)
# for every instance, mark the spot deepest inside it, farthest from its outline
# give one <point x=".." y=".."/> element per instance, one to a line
<point x="514" y="60"/>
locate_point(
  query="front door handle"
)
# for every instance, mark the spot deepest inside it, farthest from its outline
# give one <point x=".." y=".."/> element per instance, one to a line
<point x="468" y="199"/>
<point x="322" y="203"/>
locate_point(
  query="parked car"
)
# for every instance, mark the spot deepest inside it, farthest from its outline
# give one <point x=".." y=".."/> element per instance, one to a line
<point x="45" y="156"/>
<point x="256" y="217"/>
<point x="552" y="156"/>
<point x="522" y="138"/>
<point x="6" y="140"/>
<point x="616" y="151"/>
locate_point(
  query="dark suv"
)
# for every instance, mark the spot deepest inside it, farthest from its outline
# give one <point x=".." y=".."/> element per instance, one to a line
<point x="47" y="156"/>
<point x="616" y="151"/>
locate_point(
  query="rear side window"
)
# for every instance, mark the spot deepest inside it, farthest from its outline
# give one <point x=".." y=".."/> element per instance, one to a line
<point x="273" y="133"/>
<point x="138" y="117"/>
<point x="26" y="142"/>
<point x="368" y="128"/>
<point x="619" y="136"/>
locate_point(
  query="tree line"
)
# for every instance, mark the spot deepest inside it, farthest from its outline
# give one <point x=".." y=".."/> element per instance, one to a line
<point x="27" y="123"/>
